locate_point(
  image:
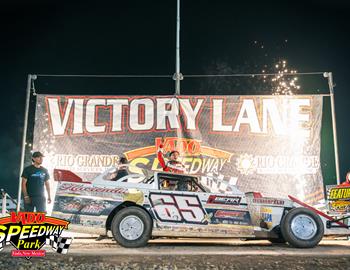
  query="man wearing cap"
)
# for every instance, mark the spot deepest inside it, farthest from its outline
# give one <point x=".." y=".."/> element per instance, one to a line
<point x="34" y="178"/>
<point x="173" y="165"/>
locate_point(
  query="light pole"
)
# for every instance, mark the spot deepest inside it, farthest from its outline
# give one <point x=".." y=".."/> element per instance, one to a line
<point x="25" y="126"/>
<point x="177" y="75"/>
<point x="329" y="76"/>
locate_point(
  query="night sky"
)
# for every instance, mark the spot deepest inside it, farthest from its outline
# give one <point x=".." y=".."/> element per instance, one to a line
<point x="138" y="37"/>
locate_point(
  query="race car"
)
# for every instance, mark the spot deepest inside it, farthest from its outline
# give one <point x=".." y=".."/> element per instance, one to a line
<point x="136" y="209"/>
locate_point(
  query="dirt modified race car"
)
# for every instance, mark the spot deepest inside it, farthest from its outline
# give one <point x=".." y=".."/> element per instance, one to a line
<point x="138" y="209"/>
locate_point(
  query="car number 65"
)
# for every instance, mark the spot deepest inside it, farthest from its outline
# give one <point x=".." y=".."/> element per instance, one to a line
<point x="177" y="208"/>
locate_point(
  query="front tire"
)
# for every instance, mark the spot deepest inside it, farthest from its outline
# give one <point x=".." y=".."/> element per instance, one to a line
<point x="302" y="228"/>
<point x="132" y="227"/>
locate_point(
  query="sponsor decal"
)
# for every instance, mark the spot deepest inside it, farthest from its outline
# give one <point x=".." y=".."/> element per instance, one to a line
<point x="268" y="201"/>
<point x="245" y="164"/>
<point x="84" y="163"/>
<point x="266" y="215"/>
<point x="82" y="189"/>
<point x="340" y="206"/>
<point x="339" y="193"/>
<point x="229" y="217"/>
<point x="28" y="232"/>
<point x="249" y="164"/>
<point x="338" y="199"/>
<point x="229" y="214"/>
<point x="84" y="220"/>
<point x="83" y="206"/>
<point x="228" y="200"/>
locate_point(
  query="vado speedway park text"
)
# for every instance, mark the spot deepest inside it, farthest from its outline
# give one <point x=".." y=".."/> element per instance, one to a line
<point x="81" y="115"/>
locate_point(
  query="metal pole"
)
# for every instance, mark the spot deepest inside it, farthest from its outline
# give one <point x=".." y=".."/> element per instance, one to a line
<point x="334" y="125"/>
<point x="29" y="80"/>
<point x="3" y="212"/>
<point x="177" y="76"/>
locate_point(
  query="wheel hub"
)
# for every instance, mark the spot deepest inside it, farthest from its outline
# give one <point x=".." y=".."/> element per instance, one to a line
<point x="304" y="227"/>
<point x="131" y="227"/>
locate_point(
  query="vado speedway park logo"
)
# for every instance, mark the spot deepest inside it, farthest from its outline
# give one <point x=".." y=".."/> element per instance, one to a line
<point x="28" y="232"/>
<point x="197" y="158"/>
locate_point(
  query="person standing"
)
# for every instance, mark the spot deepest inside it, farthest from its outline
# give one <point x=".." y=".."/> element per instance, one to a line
<point x="34" y="178"/>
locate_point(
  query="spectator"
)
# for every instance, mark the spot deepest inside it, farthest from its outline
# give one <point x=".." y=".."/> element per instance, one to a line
<point x="34" y="178"/>
<point x="347" y="180"/>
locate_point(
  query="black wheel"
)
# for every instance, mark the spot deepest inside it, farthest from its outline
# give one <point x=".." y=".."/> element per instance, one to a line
<point x="302" y="228"/>
<point x="132" y="227"/>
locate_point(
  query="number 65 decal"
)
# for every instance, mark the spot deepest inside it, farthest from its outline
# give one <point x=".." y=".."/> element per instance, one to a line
<point x="177" y="208"/>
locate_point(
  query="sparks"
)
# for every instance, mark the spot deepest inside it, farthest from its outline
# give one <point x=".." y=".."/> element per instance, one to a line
<point x="282" y="83"/>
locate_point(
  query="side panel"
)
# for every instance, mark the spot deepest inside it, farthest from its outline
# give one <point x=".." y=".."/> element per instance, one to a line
<point x="230" y="209"/>
<point x="86" y="206"/>
<point x="191" y="214"/>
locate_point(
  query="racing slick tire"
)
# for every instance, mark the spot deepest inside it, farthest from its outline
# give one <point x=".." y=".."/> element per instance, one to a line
<point x="132" y="227"/>
<point x="302" y="228"/>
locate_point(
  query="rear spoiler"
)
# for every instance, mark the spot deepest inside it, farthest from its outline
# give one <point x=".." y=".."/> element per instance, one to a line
<point x="67" y="176"/>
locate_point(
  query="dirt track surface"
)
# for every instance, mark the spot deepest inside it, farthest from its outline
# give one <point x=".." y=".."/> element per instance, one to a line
<point x="188" y="254"/>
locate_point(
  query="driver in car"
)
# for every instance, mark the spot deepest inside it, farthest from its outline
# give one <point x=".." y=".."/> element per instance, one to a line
<point x="173" y="165"/>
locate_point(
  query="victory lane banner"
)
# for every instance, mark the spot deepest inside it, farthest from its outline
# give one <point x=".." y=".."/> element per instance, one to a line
<point x="269" y="144"/>
<point x="28" y="232"/>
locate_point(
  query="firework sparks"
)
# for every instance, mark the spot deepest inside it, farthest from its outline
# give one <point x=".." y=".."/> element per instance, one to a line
<point x="284" y="82"/>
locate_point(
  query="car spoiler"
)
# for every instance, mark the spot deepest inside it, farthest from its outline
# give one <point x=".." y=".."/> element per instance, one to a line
<point x="67" y="176"/>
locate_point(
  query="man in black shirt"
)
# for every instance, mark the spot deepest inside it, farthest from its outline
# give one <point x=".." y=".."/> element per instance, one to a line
<point x="34" y="177"/>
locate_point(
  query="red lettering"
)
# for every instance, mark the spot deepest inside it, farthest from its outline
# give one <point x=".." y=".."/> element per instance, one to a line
<point x="27" y="217"/>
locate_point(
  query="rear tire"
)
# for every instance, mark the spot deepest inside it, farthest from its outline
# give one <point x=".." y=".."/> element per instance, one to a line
<point x="132" y="227"/>
<point x="302" y="228"/>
